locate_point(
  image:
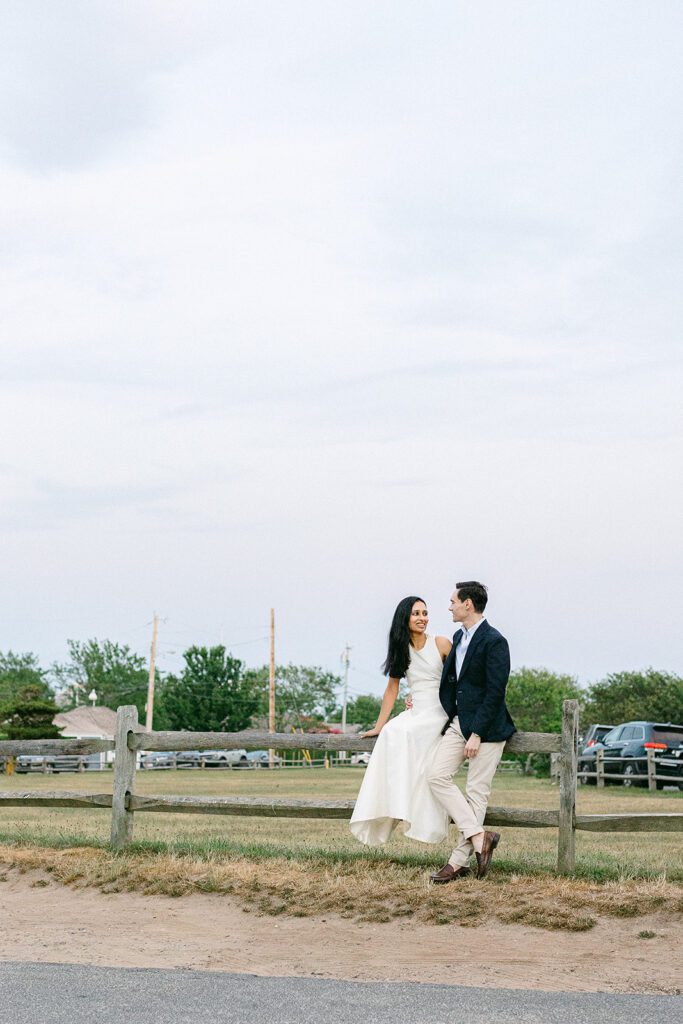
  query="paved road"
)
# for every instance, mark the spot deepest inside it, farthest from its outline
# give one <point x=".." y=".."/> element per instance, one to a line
<point x="72" y="994"/>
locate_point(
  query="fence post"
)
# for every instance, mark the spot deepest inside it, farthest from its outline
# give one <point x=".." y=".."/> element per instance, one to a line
<point x="568" y="752"/>
<point x="600" y="767"/>
<point x="124" y="778"/>
<point x="651" y="770"/>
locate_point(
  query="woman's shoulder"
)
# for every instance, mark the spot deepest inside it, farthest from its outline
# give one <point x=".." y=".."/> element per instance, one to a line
<point x="444" y="645"/>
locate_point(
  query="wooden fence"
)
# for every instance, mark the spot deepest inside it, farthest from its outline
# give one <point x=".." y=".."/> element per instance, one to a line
<point x="125" y="803"/>
<point x="634" y="776"/>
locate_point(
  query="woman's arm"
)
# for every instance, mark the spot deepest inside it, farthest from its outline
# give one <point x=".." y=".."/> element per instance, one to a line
<point x="388" y="701"/>
<point x="443" y="645"/>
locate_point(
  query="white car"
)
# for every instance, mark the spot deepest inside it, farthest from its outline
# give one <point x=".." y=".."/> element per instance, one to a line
<point x="362" y="757"/>
<point x="223" y="758"/>
<point x="261" y="759"/>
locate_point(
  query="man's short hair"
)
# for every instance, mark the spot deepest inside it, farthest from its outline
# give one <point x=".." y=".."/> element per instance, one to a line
<point x="477" y="593"/>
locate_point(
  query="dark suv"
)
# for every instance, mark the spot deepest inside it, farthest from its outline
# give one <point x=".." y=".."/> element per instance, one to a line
<point x="632" y="740"/>
<point x="594" y="733"/>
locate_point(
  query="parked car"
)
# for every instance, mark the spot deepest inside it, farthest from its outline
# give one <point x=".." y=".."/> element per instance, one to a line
<point x="223" y="758"/>
<point x="189" y="758"/>
<point x="362" y="757"/>
<point x="50" y="763"/>
<point x="595" y="733"/>
<point x="260" y="759"/>
<point x="67" y="763"/>
<point x="630" y="742"/>
<point x="159" y="759"/>
<point x="32" y="763"/>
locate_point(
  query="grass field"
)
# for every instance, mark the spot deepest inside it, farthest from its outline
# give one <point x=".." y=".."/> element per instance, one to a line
<point x="284" y="865"/>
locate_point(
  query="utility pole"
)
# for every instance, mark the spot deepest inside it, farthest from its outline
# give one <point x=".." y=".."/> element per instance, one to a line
<point x="271" y="693"/>
<point x="345" y="657"/>
<point x="152" y="669"/>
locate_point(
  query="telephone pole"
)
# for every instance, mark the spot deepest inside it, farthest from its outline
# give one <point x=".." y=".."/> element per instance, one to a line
<point x="271" y="693"/>
<point x="345" y="657"/>
<point x="152" y="669"/>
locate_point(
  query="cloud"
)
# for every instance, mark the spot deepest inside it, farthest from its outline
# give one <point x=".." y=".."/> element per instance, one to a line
<point x="79" y="78"/>
<point x="51" y="504"/>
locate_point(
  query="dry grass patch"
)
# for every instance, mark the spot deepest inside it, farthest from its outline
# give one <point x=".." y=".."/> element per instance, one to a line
<point x="362" y="890"/>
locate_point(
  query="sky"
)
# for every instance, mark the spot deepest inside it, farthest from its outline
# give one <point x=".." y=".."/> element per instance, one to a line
<point x="316" y="305"/>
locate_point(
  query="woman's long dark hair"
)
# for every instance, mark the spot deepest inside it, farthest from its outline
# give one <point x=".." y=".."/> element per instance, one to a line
<point x="398" y="653"/>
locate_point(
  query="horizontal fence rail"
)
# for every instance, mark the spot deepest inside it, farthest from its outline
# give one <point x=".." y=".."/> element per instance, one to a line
<point x="37" y="798"/>
<point x="264" y="807"/>
<point x="521" y="742"/>
<point x="124" y="803"/>
<point x="253" y="806"/>
<point x="636" y="779"/>
<point x="14" y="748"/>
<point x="630" y="822"/>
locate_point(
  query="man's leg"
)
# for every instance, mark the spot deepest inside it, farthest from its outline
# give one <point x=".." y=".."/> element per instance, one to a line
<point x="480" y="774"/>
<point x="448" y="758"/>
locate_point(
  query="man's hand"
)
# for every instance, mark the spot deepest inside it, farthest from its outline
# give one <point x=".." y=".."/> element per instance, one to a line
<point x="409" y="703"/>
<point x="472" y="745"/>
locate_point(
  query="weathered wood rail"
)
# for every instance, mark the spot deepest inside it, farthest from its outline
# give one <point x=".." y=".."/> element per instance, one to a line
<point x="521" y="742"/>
<point x="125" y="803"/>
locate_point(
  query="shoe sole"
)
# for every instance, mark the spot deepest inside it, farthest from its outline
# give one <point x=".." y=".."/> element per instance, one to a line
<point x="445" y="881"/>
<point x="494" y="844"/>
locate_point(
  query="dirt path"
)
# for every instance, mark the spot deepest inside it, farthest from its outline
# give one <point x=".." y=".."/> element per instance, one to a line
<point x="44" y="921"/>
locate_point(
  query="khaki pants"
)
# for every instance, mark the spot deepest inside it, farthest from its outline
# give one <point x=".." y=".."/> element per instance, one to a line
<point x="468" y="812"/>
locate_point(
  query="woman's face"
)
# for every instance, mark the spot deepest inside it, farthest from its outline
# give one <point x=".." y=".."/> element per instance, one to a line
<point x="418" y="618"/>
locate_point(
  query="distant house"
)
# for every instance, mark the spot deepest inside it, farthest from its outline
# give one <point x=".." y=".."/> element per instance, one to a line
<point x="88" y="723"/>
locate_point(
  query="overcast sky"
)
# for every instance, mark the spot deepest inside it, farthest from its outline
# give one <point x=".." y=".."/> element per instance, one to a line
<point x="315" y="305"/>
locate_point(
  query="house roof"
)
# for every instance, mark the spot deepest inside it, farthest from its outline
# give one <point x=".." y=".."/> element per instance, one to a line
<point x="88" y="721"/>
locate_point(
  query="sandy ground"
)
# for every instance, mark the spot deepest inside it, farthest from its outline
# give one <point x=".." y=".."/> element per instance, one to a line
<point x="45" y="921"/>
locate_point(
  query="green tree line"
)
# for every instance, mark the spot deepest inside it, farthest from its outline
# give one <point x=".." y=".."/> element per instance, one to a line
<point x="216" y="691"/>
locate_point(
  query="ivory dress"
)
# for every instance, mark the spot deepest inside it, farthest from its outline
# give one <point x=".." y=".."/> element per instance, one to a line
<point x="395" y="785"/>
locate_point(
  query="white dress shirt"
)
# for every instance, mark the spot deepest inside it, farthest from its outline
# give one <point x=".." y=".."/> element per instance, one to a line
<point x="461" y="649"/>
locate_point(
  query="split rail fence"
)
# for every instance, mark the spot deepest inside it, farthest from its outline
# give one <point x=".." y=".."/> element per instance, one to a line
<point x="630" y="774"/>
<point x="125" y="803"/>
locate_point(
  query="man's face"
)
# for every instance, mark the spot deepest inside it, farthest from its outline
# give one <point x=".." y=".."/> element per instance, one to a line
<point x="459" y="609"/>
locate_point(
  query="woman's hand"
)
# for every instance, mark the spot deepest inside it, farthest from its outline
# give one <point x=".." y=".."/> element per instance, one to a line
<point x="371" y="732"/>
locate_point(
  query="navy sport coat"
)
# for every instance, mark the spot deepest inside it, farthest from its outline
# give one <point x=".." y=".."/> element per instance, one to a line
<point x="477" y="696"/>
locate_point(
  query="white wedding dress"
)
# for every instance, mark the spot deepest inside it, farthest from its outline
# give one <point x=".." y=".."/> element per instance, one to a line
<point x="395" y="785"/>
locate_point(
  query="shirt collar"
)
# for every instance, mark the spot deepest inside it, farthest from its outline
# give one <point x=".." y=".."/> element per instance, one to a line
<point x="467" y="634"/>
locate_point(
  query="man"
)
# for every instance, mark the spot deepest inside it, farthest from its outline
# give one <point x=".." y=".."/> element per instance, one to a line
<point x="472" y="693"/>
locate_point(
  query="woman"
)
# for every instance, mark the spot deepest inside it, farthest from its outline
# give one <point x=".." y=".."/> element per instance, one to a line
<point x="395" y="785"/>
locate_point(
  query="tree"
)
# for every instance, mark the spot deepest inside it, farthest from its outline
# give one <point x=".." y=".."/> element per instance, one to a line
<point x="301" y="692"/>
<point x="212" y="694"/>
<point x="19" y="672"/>
<point x="29" y="719"/>
<point x="364" y="709"/>
<point x="627" y="696"/>
<point x="534" y="697"/>
<point x="116" y="673"/>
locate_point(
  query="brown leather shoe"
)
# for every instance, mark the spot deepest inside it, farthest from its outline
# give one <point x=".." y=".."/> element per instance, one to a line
<point x="491" y="840"/>
<point x="448" y="874"/>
